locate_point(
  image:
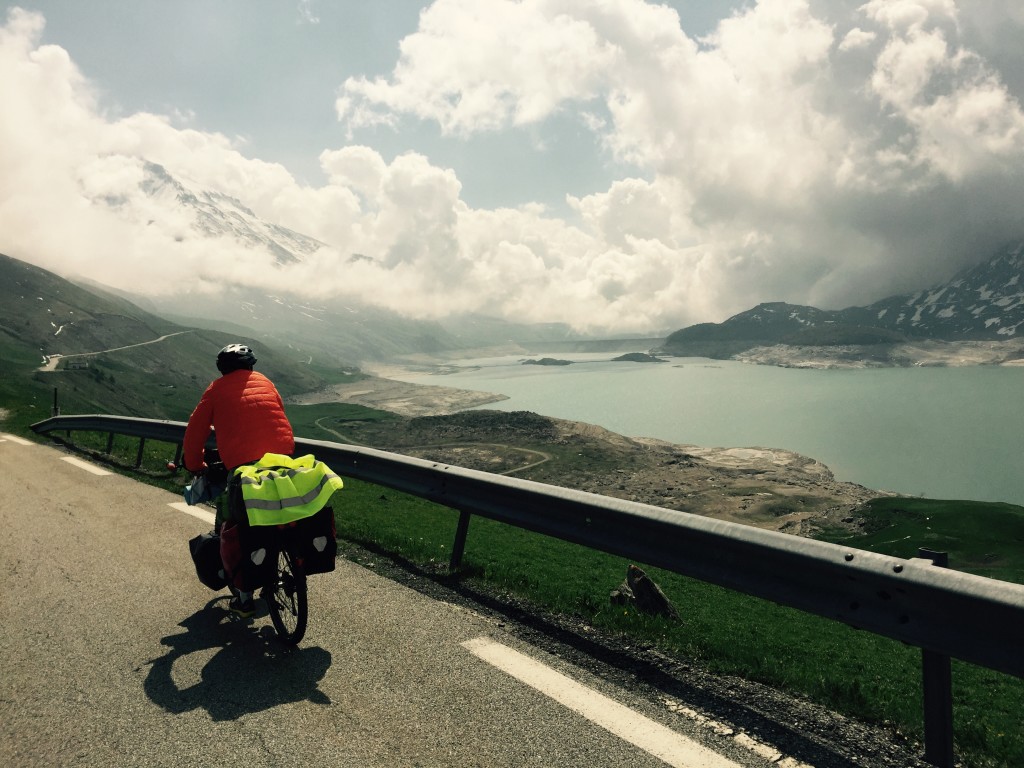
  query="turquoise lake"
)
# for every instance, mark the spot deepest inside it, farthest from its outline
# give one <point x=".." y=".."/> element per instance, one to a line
<point x="952" y="433"/>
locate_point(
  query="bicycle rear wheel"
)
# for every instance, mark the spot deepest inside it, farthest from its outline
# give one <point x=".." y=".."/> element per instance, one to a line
<point x="286" y="599"/>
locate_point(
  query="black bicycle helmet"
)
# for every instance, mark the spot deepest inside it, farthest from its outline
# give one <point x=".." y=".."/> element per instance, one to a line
<point x="235" y="357"/>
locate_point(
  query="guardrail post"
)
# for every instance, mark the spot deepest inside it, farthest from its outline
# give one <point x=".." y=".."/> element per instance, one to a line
<point x="459" y="545"/>
<point x="937" y="675"/>
<point x="110" y="443"/>
<point x="138" y="456"/>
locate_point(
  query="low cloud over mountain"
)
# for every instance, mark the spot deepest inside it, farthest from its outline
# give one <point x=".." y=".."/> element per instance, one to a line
<point x="984" y="303"/>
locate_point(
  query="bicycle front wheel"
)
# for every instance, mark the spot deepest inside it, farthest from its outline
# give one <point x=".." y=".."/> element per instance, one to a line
<point x="286" y="599"/>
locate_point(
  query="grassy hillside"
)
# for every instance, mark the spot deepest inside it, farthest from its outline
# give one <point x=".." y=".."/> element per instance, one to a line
<point x="115" y="357"/>
<point x="52" y="315"/>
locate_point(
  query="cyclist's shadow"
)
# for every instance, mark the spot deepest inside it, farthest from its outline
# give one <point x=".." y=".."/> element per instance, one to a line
<point x="250" y="671"/>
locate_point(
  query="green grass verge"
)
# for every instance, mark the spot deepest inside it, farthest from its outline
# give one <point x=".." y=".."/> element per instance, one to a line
<point x="985" y="538"/>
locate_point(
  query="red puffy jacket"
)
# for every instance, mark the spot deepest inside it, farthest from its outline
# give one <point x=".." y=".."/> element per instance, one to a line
<point x="245" y="411"/>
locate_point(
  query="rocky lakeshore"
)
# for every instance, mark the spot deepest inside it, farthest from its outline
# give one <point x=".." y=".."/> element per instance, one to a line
<point x="765" y="487"/>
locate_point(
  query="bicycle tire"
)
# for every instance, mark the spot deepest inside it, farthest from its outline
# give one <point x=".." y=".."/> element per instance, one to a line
<point x="286" y="599"/>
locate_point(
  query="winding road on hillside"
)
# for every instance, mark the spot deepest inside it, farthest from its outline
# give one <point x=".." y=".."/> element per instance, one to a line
<point x="52" y="361"/>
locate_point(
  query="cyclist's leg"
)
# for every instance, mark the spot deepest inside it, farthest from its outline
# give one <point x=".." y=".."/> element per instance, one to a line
<point x="226" y="525"/>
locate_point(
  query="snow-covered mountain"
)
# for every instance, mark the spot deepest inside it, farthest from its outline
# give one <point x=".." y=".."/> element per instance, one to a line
<point x="983" y="303"/>
<point x="213" y="214"/>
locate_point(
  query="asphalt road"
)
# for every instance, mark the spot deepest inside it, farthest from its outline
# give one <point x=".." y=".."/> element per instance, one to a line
<point x="113" y="654"/>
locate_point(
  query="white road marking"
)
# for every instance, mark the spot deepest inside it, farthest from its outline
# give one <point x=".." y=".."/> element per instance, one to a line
<point x="13" y="439"/>
<point x="202" y="514"/>
<point x="85" y="465"/>
<point x="650" y="736"/>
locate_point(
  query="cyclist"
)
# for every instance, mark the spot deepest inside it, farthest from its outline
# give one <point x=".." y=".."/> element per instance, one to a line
<point x="245" y="411"/>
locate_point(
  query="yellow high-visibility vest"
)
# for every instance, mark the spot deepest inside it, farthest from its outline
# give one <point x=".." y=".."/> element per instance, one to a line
<point x="278" y="489"/>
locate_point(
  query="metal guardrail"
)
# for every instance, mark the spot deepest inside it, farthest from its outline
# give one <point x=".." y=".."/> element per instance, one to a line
<point x="944" y="612"/>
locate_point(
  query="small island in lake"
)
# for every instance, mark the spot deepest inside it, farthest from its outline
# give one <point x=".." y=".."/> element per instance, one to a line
<point x="638" y="357"/>
<point x="547" y="361"/>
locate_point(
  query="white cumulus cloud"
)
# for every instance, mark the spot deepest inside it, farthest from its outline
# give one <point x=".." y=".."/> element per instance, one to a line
<point x="825" y="152"/>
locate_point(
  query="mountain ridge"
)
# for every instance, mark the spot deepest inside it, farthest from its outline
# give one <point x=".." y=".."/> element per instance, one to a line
<point x="982" y="305"/>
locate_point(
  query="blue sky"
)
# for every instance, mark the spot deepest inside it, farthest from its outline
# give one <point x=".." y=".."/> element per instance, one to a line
<point x="613" y="164"/>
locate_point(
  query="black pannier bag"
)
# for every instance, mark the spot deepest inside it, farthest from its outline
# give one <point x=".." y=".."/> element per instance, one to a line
<point x="248" y="553"/>
<point x="205" y="550"/>
<point x="321" y="546"/>
<point x="313" y="540"/>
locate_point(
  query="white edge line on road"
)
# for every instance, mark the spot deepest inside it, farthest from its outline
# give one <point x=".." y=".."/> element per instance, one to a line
<point x="13" y="439"/>
<point x="650" y="736"/>
<point x="85" y="465"/>
<point x="202" y="514"/>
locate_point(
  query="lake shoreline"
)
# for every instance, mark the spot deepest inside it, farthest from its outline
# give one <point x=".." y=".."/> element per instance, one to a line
<point x="947" y="431"/>
<point x="403" y="398"/>
<point x="921" y="354"/>
<point x="786" y="473"/>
